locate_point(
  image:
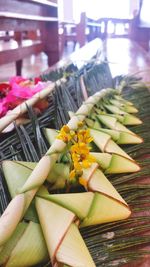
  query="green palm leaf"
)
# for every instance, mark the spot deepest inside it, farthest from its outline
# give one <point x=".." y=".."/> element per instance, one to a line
<point x="111" y="244"/>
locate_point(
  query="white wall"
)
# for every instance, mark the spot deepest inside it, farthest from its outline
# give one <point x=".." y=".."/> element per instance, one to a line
<point x="134" y="6"/>
<point x="69" y="10"/>
<point x="65" y="10"/>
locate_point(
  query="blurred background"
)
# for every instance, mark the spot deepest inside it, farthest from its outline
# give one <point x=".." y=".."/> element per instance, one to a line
<point x="62" y="27"/>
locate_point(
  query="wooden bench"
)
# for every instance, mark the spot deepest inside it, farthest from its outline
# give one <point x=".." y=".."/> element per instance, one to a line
<point x="29" y="15"/>
<point x="81" y="32"/>
<point x="94" y="29"/>
<point x="74" y="32"/>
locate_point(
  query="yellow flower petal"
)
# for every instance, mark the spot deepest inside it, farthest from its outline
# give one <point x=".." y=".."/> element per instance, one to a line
<point x="72" y="174"/>
<point x="66" y="129"/>
<point x="64" y="134"/>
<point x="86" y="164"/>
<point x="83" y="182"/>
<point x="77" y="166"/>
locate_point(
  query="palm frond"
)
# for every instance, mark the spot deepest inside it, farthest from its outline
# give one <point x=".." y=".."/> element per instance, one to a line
<point x="111" y="244"/>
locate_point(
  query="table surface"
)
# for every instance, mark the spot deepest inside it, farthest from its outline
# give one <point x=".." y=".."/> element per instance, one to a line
<point x="124" y="56"/>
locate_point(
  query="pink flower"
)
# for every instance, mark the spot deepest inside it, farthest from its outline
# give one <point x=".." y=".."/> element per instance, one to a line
<point x="19" y="89"/>
<point x="3" y="107"/>
<point x="24" y="88"/>
<point x="16" y="79"/>
<point x="4" y="89"/>
<point x="37" y="79"/>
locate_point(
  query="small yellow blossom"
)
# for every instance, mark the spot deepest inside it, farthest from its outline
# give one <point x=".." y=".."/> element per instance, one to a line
<point x="83" y="182"/>
<point x="81" y="157"/>
<point x="84" y="136"/>
<point x="72" y="174"/>
<point x="77" y="166"/>
<point x="89" y="159"/>
<point x="66" y="129"/>
<point x="86" y="164"/>
<point x="79" y="150"/>
<point x="65" y="134"/>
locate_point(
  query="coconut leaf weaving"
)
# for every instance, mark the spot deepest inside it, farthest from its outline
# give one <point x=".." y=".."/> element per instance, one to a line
<point x="110" y="244"/>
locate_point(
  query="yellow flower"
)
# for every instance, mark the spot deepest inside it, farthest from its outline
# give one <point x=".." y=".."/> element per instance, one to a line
<point x="72" y="174"/>
<point x="83" y="182"/>
<point x="84" y="136"/>
<point x="86" y="164"/>
<point x="66" y="129"/>
<point x="81" y="156"/>
<point x="75" y="173"/>
<point x="65" y="134"/>
<point x="77" y="166"/>
<point x="80" y="148"/>
<point x="89" y="159"/>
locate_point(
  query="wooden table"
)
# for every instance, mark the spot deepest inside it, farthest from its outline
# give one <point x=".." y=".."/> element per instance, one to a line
<point x="124" y="56"/>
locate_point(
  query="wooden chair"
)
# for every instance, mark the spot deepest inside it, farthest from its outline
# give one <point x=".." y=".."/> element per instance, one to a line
<point x="94" y="29"/>
<point x="85" y="31"/>
<point x="76" y="33"/>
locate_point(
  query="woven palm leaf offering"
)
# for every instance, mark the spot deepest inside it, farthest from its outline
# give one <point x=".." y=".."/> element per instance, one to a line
<point x="63" y="209"/>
